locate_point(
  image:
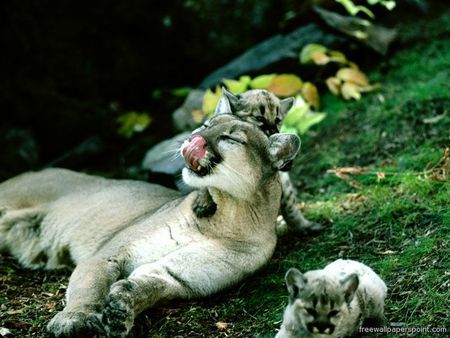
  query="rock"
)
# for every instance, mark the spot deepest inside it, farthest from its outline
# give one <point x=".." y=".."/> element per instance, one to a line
<point x="273" y="50"/>
<point x="182" y="117"/>
<point x="165" y="157"/>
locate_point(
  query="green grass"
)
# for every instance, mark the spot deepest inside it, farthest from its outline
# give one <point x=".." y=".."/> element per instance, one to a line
<point x="398" y="225"/>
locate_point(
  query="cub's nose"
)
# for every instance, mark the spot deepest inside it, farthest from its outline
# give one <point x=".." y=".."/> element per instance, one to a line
<point x="321" y="327"/>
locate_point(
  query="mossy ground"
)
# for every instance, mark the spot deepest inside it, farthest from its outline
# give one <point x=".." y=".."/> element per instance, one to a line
<point x="399" y="225"/>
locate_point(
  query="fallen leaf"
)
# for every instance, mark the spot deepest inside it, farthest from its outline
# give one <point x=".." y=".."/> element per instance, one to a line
<point x="285" y="85"/>
<point x="262" y="81"/>
<point x="307" y="52"/>
<point x="380" y="176"/>
<point x="353" y="75"/>
<point x="350" y="91"/>
<point x="311" y="94"/>
<point x="320" y="58"/>
<point x="337" y="56"/>
<point x="222" y="325"/>
<point x="210" y="100"/>
<point x="5" y="332"/>
<point x="235" y="86"/>
<point x="334" y="85"/>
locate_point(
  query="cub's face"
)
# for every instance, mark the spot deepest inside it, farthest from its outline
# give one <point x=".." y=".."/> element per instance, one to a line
<point x="234" y="156"/>
<point x="320" y="301"/>
<point x="257" y="106"/>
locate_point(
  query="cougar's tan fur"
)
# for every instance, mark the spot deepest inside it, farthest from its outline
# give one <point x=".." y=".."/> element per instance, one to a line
<point x="135" y="244"/>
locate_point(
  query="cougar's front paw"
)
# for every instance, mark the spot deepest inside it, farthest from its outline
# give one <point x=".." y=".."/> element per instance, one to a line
<point x="75" y="324"/>
<point x="204" y="206"/>
<point x="118" y="315"/>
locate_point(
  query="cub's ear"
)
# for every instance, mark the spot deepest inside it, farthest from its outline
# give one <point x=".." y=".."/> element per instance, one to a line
<point x="283" y="148"/>
<point x="295" y="281"/>
<point x="350" y="285"/>
<point x="286" y="105"/>
<point x="227" y="104"/>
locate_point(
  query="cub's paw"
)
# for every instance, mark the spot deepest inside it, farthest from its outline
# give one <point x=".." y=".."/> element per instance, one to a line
<point x="204" y="206"/>
<point x="75" y="324"/>
<point x="118" y="315"/>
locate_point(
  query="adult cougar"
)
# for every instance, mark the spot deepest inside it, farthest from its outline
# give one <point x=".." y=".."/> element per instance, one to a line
<point x="332" y="302"/>
<point x="136" y="244"/>
<point x="265" y="110"/>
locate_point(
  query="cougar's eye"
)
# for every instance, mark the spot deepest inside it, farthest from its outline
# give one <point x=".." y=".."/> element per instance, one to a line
<point x="260" y="119"/>
<point x="232" y="139"/>
<point x="332" y="313"/>
<point x="311" y="311"/>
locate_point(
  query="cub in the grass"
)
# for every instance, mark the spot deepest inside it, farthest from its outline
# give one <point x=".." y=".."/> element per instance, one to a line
<point x="263" y="109"/>
<point x="332" y="302"/>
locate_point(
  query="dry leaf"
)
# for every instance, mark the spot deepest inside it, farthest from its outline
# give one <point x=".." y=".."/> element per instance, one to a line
<point x="380" y="176"/>
<point x="311" y="94"/>
<point x="222" y="325"/>
<point x="320" y="58"/>
<point x="350" y="91"/>
<point x="333" y="84"/>
<point x="285" y="85"/>
<point x="353" y="75"/>
<point x="197" y="116"/>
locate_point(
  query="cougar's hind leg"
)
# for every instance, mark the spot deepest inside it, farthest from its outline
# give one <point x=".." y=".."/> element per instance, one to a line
<point x="20" y="235"/>
<point x="290" y="210"/>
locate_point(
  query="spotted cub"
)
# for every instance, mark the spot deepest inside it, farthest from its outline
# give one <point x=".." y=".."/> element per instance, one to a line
<point x="332" y="302"/>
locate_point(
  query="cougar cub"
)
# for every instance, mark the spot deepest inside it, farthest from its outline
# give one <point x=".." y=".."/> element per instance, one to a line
<point x="265" y="110"/>
<point x="332" y="302"/>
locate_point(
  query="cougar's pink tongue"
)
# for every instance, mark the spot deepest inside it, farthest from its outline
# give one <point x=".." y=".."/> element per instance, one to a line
<point x="193" y="150"/>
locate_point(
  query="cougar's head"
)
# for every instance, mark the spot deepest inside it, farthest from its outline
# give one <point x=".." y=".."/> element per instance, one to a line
<point x="235" y="156"/>
<point x="320" y="301"/>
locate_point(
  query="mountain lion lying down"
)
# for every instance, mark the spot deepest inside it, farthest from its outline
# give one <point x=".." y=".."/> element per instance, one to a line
<point x="332" y="302"/>
<point x="136" y="244"/>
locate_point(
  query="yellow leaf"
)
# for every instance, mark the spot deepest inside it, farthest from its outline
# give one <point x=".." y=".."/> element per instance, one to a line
<point x="337" y="56"/>
<point x="222" y="325"/>
<point x="308" y="50"/>
<point x="353" y="75"/>
<point x="197" y="116"/>
<point x="262" y="81"/>
<point x="333" y="84"/>
<point x="320" y="58"/>
<point x="285" y="85"/>
<point x="350" y="90"/>
<point x="311" y="95"/>
<point x="235" y="86"/>
<point x="210" y="100"/>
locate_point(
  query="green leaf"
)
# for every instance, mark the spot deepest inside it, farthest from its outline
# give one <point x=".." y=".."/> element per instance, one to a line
<point x="181" y="91"/>
<point x="300" y="118"/>
<point x="262" y="81"/>
<point x="307" y="52"/>
<point x="236" y="86"/>
<point x="353" y="9"/>
<point x="132" y="122"/>
<point x="285" y="85"/>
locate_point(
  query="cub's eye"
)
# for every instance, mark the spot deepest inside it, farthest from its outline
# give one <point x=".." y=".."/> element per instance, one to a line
<point x="260" y="119"/>
<point x="232" y="139"/>
<point x="332" y="313"/>
<point x="311" y="311"/>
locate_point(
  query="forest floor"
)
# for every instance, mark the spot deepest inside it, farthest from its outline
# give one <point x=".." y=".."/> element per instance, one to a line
<point x="391" y="212"/>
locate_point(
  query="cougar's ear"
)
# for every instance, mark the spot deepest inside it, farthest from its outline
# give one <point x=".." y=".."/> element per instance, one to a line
<point x="227" y="104"/>
<point x="283" y="148"/>
<point x="295" y="281"/>
<point x="350" y="285"/>
<point x="286" y="105"/>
